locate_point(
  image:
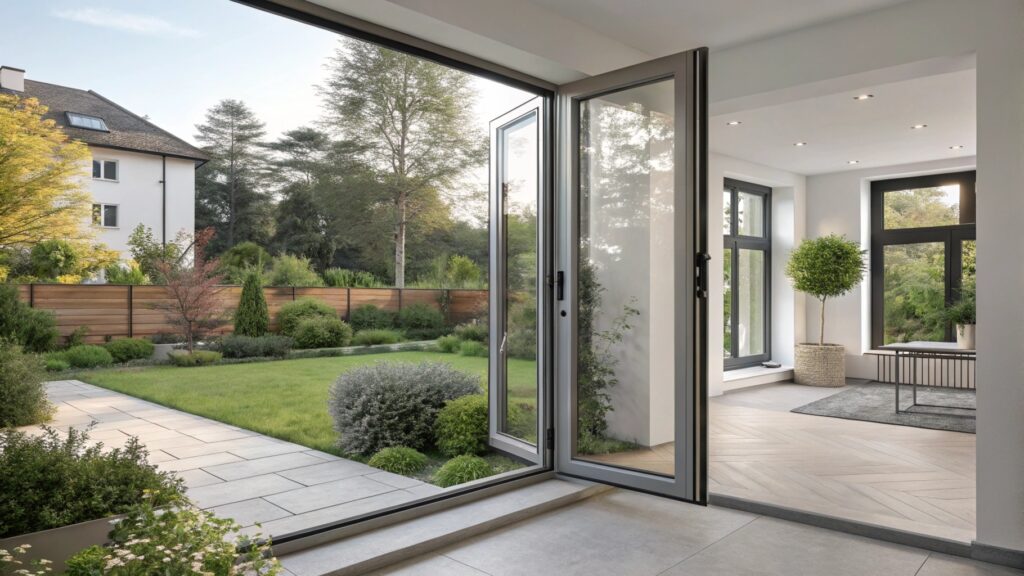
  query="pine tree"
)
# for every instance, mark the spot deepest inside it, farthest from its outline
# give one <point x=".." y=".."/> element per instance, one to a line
<point x="252" y="317"/>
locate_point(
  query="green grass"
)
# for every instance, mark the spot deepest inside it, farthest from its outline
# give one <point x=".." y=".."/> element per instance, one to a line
<point x="285" y="399"/>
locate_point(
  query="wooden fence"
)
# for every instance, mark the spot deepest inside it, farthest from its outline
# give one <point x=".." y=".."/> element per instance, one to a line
<point x="114" y="311"/>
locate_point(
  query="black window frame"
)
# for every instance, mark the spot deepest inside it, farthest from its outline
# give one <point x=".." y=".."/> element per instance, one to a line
<point x="951" y="236"/>
<point x="735" y="242"/>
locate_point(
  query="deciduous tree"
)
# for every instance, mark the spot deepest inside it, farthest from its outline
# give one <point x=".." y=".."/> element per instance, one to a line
<point x="193" y="290"/>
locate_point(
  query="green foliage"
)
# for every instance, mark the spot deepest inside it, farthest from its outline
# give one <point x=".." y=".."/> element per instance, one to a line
<point x="87" y="356"/>
<point x="421" y="321"/>
<point x="127" y="349"/>
<point x="22" y="394"/>
<point x="252" y="318"/>
<point x="56" y="364"/>
<point x="472" y="348"/>
<point x="393" y="403"/>
<point x="462" y="469"/>
<point x="235" y="346"/>
<point x="170" y="537"/>
<point x="369" y="317"/>
<point x="342" y="278"/>
<point x="826" y="267"/>
<point x="184" y="358"/>
<point x="290" y="314"/>
<point x="376" y="336"/>
<point x="596" y="361"/>
<point x="240" y="259"/>
<point x="130" y="274"/>
<point x="77" y="337"/>
<point x="461" y="426"/>
<point x="476" y="331"/>
<point x="149" y="252"/>
<point x="522" y="329"/>
<point x="322" y="332"/>
<point x="963" y="312"/>
<point x="53" y="258"/>
<point x="288" y="270"/>
<point x="449" y="344"/>
<point x="35" y="330"/>
<point x="457" y="271"/>
<point x="51" y="481"/>
<point x="399" y="460"/>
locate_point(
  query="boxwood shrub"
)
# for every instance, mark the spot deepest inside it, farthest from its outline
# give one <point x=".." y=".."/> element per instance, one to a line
<point x="387" y="404"/>
<point x="377" y="336"/>
<point x="235" y="346"/>
<point x="33" y="329"/>
<point x="476" y="331"/>
<point x="22" y="394"/>
<point x="322" y="332"/>
<point x="472" y="348"/>
<point x="197" y="358"/>
<point x="292" y="313"/>
<point x="449" y="344"/>
<point x="370" y="317"/>
<point x="399" y="460"/>
<point x="421" y="322"/>
<point x="462" y="469"/>
<point x="461" y="426"/>
<point x="126" y="349"/>
<point x="86" y="356"/>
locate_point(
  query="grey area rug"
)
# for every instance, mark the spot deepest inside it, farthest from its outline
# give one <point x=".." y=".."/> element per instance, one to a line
<point x="876" y="403"/>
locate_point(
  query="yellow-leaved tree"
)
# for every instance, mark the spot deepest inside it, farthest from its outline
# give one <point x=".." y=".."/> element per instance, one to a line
<point x="42" y="192"/>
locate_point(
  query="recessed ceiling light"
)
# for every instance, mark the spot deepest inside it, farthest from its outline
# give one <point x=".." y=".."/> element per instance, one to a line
<point x="956" y="147"/>
<point x="863" y="96"/>
<point x="733" y="123"/>
<point x="852" y="162"/>
<point x="799" y="144"/>
<point x="918" y="126"/>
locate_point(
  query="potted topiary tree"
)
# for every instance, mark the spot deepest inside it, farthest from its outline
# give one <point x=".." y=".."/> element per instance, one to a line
<point x="826" y="267"/>
<point x="963" y="316"/>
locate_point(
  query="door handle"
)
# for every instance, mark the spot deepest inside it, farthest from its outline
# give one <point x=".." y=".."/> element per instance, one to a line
<point x="504" y="340"/>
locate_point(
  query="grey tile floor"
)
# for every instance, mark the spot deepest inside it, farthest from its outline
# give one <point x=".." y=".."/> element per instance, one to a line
<point x="234" y="472"/>
<point x="627" y="533"/>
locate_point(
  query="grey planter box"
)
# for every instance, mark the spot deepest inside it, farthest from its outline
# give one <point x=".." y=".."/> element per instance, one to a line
<point x="60" y="544"/>
<point x="161" y="351"/>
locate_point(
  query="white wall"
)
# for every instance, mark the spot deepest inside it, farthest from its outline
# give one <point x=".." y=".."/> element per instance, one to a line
<point x="787" y="319"/>
<point x="840" y="203"/>
<point x="138" y="195"/>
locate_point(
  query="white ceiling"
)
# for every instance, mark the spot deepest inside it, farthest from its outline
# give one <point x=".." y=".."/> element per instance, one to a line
<point x="662" y="27"/>
<point x="838" y="129"/>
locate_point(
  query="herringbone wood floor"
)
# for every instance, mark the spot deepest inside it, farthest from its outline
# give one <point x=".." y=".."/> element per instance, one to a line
<point x="907" y="478"/>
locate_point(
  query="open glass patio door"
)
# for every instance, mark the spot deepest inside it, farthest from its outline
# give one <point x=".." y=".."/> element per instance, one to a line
<point x="630" y="326"/>
<point x="520" y="302"/>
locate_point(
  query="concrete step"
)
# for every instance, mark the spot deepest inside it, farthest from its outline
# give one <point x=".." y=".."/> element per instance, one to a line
<point x="388" y="545"/>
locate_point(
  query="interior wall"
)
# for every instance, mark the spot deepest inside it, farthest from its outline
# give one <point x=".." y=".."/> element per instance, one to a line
<point x="840" y="203"/>
<point x="787" y="309"/>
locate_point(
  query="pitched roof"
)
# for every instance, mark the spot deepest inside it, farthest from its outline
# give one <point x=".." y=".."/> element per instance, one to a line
<point x="128" y="131"/>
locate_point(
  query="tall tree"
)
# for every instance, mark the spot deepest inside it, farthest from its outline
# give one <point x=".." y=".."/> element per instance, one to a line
<point x="301" y="155"/>
<point x="414" y="117"/>
<point x="230" y="194"/>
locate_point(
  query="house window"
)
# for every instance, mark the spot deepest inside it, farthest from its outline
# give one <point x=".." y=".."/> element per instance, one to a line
<point x="747" y="264"/>
<point x="104" y="170"/>
<point x="923" y="254"/>
<point x="104" y="215"/>
<point x="87" y="122"/>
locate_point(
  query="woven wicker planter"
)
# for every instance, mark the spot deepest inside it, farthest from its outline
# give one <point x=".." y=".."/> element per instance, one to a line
<point x="823" y="365"/>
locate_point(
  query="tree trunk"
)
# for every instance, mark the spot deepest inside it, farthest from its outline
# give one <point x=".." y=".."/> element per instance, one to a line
<point x="821" y="328"/>
<point x="400" y="242"/>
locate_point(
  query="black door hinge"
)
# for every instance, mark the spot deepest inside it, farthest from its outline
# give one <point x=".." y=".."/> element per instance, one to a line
<point x="551" y="438"/>
<point x="560" y="286"/>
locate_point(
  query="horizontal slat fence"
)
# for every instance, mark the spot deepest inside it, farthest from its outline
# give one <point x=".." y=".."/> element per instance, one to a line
<point x="114" y="311"/>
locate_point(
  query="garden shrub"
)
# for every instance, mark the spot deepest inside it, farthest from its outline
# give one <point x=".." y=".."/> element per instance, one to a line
<point x="56" y="364"/>
<point x="399" y="460"/>
<point x="35" y="330"/>
<point x="342" y="278"/>
<point x="473" y="348"/>
<point x="476" y="331"/>
<point x="461" y="426"/>
<point x="288" y="270"/>
<point x="462" y="469"/>
<point x="421" y="322"/>
<point x="173" y="540"/>
<point x="166" y="338"/>
<point x="394" y="403"/>
<point x="184" y="358"/>
<point x="370" y="317"/>
<point x="252" y="317"/>
<point x="322" y="332"/>
<point x="234" y="346"/>
<point x="22" y="394"/>
<point x="50" y="481"/>
<point x="522" y="330"/>
<point x="87" y="356"/>
<point x="289" y="316"/>
<point x="376" y="336"/>
<point x="77" y="337"/>
<point x="236" y="262"/>
<point x="127" y="274"/>
<point x="126" y="349"/>
<point x="449" y="344"/>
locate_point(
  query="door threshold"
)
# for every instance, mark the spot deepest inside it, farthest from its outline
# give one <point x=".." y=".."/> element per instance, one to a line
<point x="865" y="529"/>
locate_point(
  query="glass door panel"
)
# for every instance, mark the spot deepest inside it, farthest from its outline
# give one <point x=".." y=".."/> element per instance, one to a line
<point x="632" y="213"/>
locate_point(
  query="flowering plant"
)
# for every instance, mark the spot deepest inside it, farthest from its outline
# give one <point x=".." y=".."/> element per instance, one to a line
<point x="9" y="563"/>
<point x="175" y="541"/>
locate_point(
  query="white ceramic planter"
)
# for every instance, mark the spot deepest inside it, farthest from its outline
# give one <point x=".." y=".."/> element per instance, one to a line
<point x="59" y="544"/>
<point x="823" y="365"/>
<point x="965" y="336"/>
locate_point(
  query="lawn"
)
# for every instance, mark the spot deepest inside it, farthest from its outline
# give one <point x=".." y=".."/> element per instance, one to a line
<point x="286" y="399"/>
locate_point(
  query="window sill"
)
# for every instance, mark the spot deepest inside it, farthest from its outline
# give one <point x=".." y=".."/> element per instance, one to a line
<point x="753" y="376"/>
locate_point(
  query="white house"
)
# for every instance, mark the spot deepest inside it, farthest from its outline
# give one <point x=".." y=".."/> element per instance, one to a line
<point x="140" y="174"/>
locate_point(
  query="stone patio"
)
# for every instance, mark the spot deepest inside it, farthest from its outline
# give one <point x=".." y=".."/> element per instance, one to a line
<point x="233" y="472"/>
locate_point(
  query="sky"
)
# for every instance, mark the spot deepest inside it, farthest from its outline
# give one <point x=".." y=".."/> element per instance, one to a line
<point x="171" y="60"/>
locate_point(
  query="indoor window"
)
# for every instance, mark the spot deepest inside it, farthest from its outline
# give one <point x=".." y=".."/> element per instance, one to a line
<point x="104" y="169"/>
<point x="104" y="215"/>
<point x="746" y="267"/>
<point x="923" y="254"/>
